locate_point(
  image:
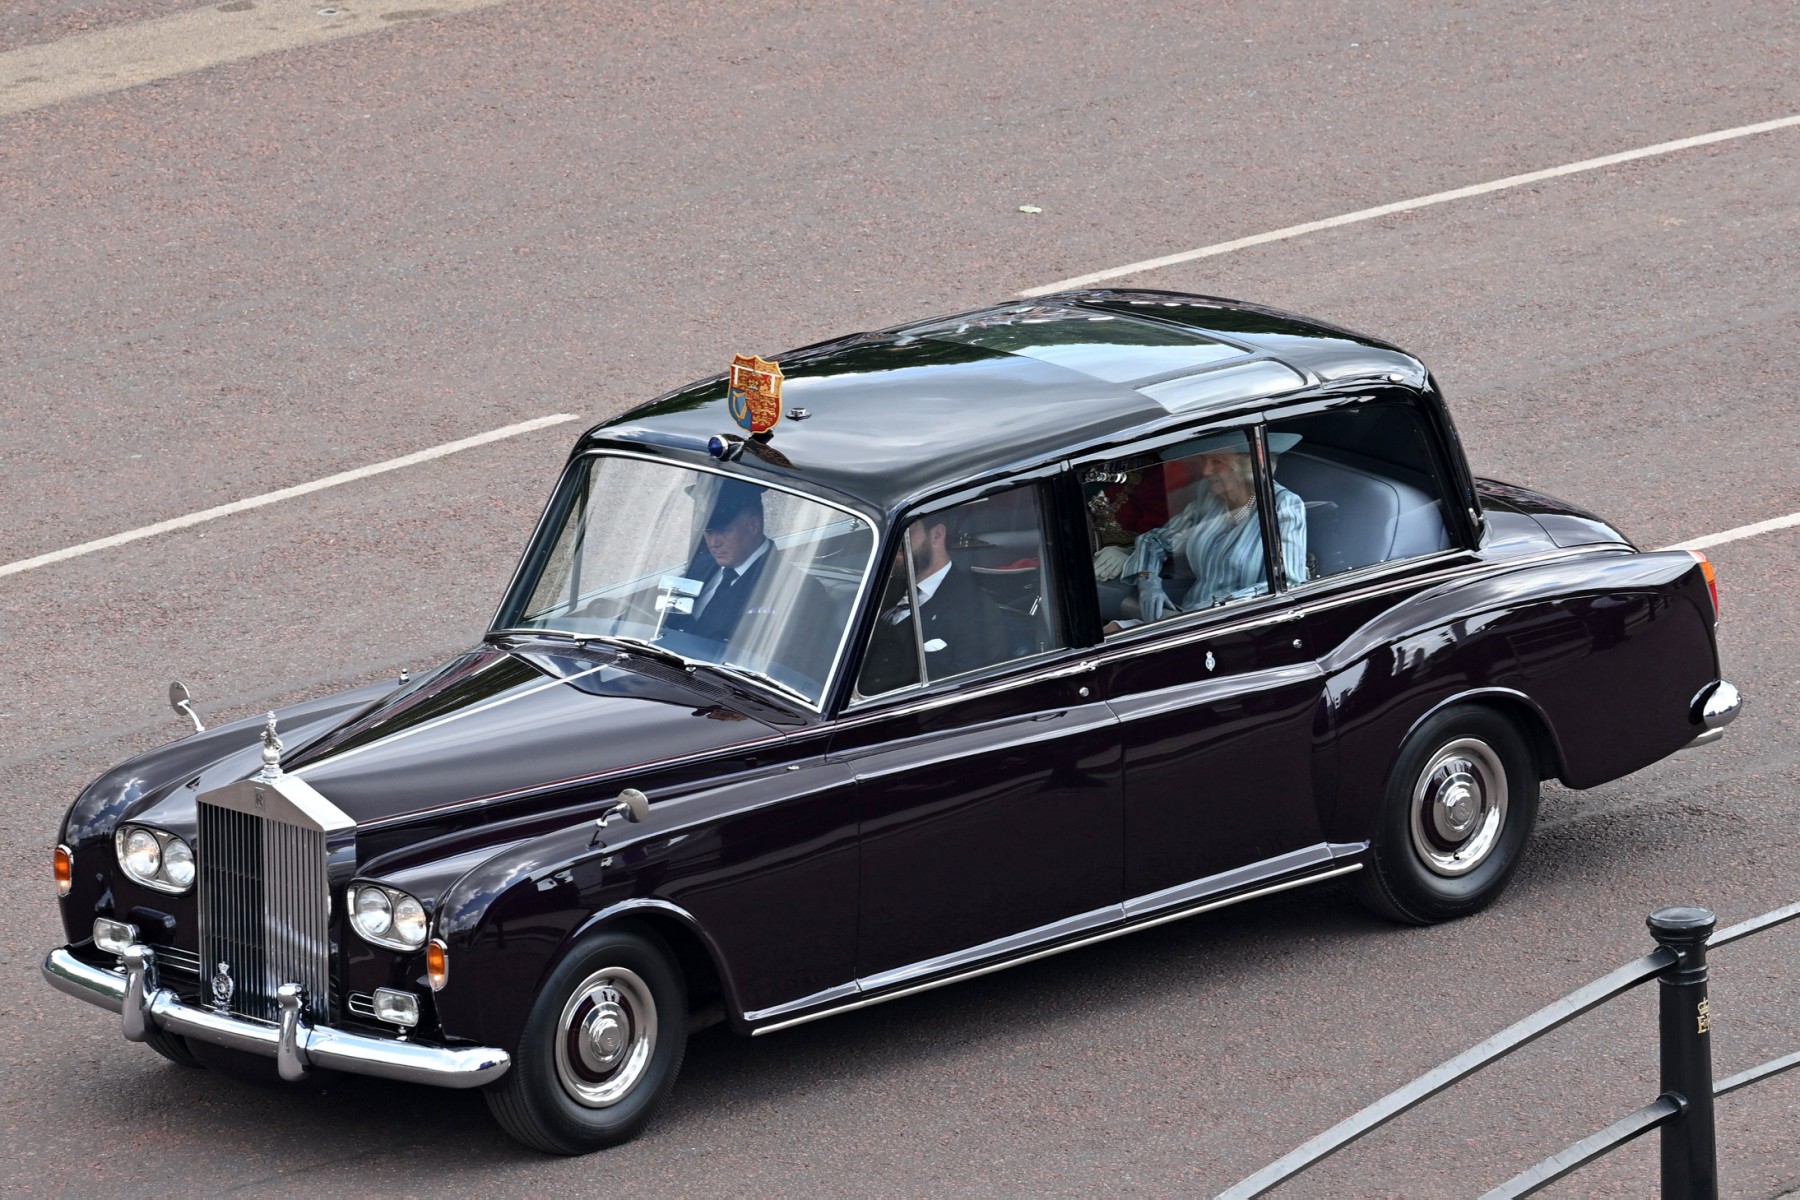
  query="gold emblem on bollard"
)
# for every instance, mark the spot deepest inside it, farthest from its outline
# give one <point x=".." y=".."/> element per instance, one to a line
<point x="1703" y="1012"/>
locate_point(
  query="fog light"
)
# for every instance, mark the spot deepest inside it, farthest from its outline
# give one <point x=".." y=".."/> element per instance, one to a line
<point x="396" y="1007"/>
<point x="63" y="863"/>
<point x="437" y="964"/>
<point x="113" y="936"/>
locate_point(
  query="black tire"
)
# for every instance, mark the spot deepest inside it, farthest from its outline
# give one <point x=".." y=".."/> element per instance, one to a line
<point x="173" y="1047"/>
<point x="1455" y="819"/>
<point x="257" y="1070"/>
<point x="601" y="1048"/>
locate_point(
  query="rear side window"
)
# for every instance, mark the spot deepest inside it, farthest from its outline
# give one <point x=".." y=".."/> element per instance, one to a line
<point x="1370" y="484"/>
<point x="1180" y="529"/>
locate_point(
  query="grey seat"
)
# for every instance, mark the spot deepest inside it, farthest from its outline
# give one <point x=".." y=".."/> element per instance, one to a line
<point x="1356" y="517"/>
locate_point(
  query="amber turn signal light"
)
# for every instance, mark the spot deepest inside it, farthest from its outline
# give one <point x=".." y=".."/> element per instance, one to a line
<point x="437" y="964"/>
<point x="63" y="863"/>
<point x="1712" y="580"/>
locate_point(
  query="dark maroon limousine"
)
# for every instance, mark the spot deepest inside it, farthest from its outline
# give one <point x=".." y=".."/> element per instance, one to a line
<point x="896" y="660"/>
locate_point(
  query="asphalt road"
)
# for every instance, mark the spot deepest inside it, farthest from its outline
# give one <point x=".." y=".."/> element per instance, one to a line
<point x="258" y="274"/>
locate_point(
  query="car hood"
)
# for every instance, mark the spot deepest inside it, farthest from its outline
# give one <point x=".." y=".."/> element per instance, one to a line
<point x="498" y="723"/>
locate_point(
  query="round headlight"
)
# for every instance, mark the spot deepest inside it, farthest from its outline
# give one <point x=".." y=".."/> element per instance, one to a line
<point x="371" y="912"/>
<point x="140" y="854"/>
<point x="409" y="920"/>
<point x="178" y="863"/>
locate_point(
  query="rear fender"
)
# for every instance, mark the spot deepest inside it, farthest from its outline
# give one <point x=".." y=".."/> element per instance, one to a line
<point x="1607" y="651"/>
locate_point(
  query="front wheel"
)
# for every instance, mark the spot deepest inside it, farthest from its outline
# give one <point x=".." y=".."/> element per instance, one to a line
<point x="1455" y="819"/>
<point x="600" y="1050"/>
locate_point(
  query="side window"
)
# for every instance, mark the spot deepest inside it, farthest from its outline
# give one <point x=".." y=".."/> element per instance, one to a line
<point x="979" y="573"/>
<point x="1180" y="529"/>
<point x="1369" y="483"/>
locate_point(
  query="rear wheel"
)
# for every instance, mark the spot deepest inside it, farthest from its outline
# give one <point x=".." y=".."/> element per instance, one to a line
<point x="600" y="1050"/>
<point x="1455" y="819"/>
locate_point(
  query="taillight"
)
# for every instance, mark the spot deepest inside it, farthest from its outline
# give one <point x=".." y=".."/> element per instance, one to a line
<point x="1712" y="580"/>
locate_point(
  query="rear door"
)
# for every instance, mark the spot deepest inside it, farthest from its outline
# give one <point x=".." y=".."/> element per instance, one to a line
<point x="1223" y="729"/>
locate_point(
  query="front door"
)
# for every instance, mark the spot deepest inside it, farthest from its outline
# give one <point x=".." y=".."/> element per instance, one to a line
<point x="984" y="819"/>
<point x="986" y="762"/>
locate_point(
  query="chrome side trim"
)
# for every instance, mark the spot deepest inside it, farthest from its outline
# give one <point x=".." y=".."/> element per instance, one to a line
<point x="293" y="1040"/>
<point x="839" y="992"/>
<point x="1212" y="885"/>
<point x="1067" y="927"/>
<point x="1104" y="935"/>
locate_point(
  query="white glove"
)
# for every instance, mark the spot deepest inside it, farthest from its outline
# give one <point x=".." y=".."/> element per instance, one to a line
<point x="1109" y="562"/>
<point x="1154" y="604"/>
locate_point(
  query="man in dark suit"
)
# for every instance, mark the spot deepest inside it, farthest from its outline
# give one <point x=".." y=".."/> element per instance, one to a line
<point x="763" y="609"/>
<point x="960" y="625"/>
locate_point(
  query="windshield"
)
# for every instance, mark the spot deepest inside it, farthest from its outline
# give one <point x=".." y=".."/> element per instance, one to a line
<point x="705" y="566"/>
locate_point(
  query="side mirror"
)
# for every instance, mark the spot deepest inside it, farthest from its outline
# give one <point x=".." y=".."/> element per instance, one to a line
<point x="633" y="805"/>
<point x="179" y="701"/>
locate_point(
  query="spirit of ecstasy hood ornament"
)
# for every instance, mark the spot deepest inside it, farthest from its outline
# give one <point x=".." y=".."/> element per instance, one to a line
<point x="271" y="751"/>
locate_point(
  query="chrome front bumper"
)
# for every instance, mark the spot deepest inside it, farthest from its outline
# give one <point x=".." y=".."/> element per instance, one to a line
<point x="1716" y="706"/>
<point x="296" y="1045"/>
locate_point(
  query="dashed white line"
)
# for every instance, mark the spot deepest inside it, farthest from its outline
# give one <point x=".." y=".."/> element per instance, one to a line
<point x="123" y="56"/>
<point x="1791" y="521"/>
<point x="288" y="493"/>
<point x="1292" y="231"/>
<point x="1400" y="206"/>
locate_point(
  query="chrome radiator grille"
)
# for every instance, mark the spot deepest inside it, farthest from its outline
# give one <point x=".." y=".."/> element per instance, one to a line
<point x="264" y="909"/>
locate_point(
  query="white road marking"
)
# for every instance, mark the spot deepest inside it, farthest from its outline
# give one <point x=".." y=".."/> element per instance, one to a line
<point x="1791" y="521"/>
<point x="302" y="489"/>
<point x="123" y="56"/>
<point x="1399" y="206"/>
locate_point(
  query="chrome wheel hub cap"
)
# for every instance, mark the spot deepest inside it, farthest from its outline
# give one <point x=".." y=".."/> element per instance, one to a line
<point x="1459" y="807"/>
<point x="605" y="1037"/>
<point x="605" y="1032"/>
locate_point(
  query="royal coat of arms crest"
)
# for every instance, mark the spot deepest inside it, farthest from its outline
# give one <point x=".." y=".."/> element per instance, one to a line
<point x="755" y="393"/>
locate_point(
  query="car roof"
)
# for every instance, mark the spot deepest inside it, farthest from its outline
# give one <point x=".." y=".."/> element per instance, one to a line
<point x="898" y="414"/>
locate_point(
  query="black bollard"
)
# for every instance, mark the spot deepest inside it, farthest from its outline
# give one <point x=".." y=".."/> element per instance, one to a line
<point x="1690" y="1166"/>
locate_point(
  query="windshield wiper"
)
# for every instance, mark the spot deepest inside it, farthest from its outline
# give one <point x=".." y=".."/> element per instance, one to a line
<point x="766" y="680"/>
<point x="648" y="649"/>
<point x="729" y="670"/>
<point x="663" y="654"/>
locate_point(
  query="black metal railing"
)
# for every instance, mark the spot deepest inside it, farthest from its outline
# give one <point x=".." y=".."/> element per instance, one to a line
<point x="1684" y="1111"/>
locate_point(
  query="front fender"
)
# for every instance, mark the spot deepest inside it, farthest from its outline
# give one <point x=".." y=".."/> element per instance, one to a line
<point x="507" y="922"/>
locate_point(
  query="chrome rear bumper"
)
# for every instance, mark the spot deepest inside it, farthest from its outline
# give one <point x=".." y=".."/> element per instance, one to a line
<point x="296" y="1045"/>
<point x="1716" y="706"/>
